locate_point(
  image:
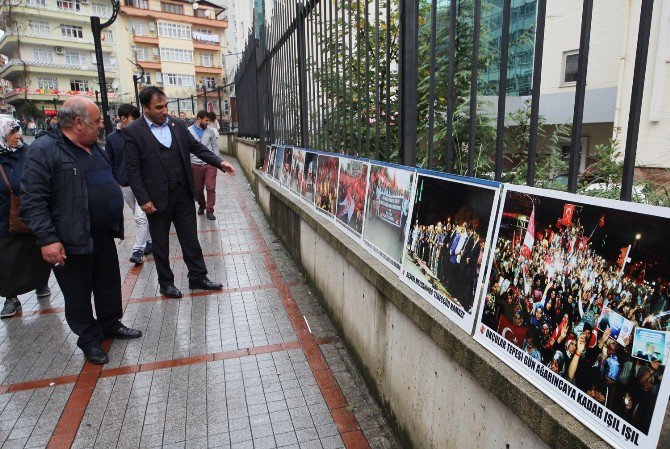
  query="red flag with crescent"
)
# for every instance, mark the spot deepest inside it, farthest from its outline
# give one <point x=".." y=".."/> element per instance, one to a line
<point x="511" y="332"/>
<point x="529" y="238"/>
<point x="568" y="211"/>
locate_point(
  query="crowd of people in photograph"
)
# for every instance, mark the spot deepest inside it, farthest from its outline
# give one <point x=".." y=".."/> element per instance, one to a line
<point x="380" y="187"/>
<point x="452" y="254"/>
<point x="549" y="304"/>
<point x="326" y="184"/>
<point x="351" y="198"/>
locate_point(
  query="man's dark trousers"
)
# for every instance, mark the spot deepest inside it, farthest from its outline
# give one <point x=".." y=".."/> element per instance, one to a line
<point x="96" y="273"/>
<point x="180" y="210"/>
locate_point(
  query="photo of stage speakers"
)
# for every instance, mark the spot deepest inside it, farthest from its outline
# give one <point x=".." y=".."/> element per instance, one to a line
<point x="448" y="237"/>
<point x="577" y="301"/>
<point x="272" y="157"/>
<point x="279" y="161"/>
<point x="352" y="186"/>
<point x="297" y="170"/>
<point x="388" y="206"/>
<point x="285" y="173"/>
<point x="327" y="171"/>
<point x="308" y="184"/>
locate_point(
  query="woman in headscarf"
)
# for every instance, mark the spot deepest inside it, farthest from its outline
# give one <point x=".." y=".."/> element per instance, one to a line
<point x="23" y="268"/>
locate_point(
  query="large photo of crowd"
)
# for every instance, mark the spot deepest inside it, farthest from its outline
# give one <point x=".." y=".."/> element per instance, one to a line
<point x="279" y="161"/>
<point x="271" y="157"/>
<point x="352" y="186"/>
<point x="297" y="170"/>
<point x="328" y="168"/>
<point x="388" y="203"/>
<point x="285" y="172"/>
<point x="581" y="287"/>
<point x="446" y="243"/>
<point x="308" y="180"/>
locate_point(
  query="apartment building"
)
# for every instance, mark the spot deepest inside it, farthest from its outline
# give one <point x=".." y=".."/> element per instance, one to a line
<point x="50" y="56"/>
<point x="179" y="46"/>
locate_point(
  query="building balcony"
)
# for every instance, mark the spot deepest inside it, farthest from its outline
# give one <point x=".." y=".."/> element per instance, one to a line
<point x="206" y="46"/>
<point x="50" y="12"/>
<point x="145" y="39"/>
<point x="181" y="18"/>
<point x="14" y="67"/>
<point x="22" y="93"/>
<point x="9" y="42"/>
<point x="153" y="65"/>
<point x="213" y="69"/>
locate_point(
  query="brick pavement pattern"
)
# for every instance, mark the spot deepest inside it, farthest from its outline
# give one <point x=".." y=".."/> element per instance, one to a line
<point x="257" y="365"/>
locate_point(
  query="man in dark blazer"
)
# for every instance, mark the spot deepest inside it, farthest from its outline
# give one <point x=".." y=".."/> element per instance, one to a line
<point x="157" y="155"/>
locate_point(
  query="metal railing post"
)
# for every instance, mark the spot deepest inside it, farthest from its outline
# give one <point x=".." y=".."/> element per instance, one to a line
<point x="302" y="75"/>
<point x="409" y="77"/>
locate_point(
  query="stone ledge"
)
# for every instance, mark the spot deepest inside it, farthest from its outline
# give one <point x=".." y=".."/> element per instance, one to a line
<point x="541" y="414"/>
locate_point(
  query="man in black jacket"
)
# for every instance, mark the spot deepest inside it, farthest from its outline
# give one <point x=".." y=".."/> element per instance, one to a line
<point x="143" y="246"/>
<point x="157" y="155"/>
<point x="72" y="203"/>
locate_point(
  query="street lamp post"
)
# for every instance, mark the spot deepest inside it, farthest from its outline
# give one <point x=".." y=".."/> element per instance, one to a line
<point x="136" y="80"/>
<point x="96" y="28"/>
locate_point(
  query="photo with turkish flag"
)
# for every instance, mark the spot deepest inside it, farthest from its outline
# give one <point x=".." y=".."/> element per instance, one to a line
<point x="570" y="280"/>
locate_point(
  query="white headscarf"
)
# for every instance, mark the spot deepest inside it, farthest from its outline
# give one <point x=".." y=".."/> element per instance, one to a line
<point x="7" y="125"/>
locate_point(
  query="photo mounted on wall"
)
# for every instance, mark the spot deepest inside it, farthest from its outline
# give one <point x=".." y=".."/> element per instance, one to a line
<point x="388" y="206"/>
<point x="327" y="170"/>
<point x="266" y="159"/>
<point x="297" y="170"/>
<point x="271" y="161"/>
<point x="448" y="237"/>
<point x="285" y="176"/>
<point x="352" y="187"/>
<point x="576" y="301"/>
<point x="308" y="177"/>
<point x="279" y="161"/>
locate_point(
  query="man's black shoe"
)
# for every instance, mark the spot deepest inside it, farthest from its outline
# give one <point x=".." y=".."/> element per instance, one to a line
<point x="205" y="284"/>
<point x="96" y="355"/>
<point x="201" y="210"/>
<point x="210" y="215"/>
<point x="170" y="291"/>
<point x="125" y="333"/>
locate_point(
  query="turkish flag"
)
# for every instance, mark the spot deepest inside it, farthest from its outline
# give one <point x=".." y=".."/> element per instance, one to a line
<point x="601" y="223"/>
<point x="511" y="332"/>
<point x="529" y="238"/>
<point x="568" y="211"/>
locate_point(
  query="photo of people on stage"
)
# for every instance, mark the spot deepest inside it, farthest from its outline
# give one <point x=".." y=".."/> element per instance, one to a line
<point x="326" y="183"/>
<point x="388" y="202"/>
<point x="572" y="284"/>
<point x="285" y="176"/>
<point x="351" y="197"/>
<point x="297" y="170"/>
<point x="446" y="239"/>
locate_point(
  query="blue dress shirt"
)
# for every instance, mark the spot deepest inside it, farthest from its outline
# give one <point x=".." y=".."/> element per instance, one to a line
<point x="161" y="132"/>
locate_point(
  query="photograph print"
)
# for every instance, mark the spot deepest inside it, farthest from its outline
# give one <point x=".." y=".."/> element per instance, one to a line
<point x="279" y="162"/>
<point x="388" y="203"/>
<point x="285" y="174"/>
<point x="351" y="194"/>
<point x="327" y="170"/>
<point x="576" y="301"/>
<point x="271" y="161"/>
<point x="297" y="170"/>
<point x="308" y="177"/>
<point x="448" y="237"/>
<point x="266" y="159"/>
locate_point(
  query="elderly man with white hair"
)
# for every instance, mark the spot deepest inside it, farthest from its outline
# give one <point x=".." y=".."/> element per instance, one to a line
<point x="73" y="205"/>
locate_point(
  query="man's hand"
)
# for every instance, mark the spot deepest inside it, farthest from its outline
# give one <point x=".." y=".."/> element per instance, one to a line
<point x="226" y="167"/>
<point x="148" y="208"/>
<point x="54" y="254"/>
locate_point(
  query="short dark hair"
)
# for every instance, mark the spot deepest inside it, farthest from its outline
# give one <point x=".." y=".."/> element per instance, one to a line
<point x="212" y="115"/>
<point x="147" y="93"/>
<point x="128" y="110"/>
<point x="202" y="114"/>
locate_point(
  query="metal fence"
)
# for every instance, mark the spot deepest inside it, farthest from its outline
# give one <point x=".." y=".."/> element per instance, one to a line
<point x="423" y="82"/>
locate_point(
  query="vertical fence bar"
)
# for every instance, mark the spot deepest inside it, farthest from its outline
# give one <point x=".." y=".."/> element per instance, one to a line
<point x="308" y="69"/>
<point x="324" y="78"/>
<point x="357" y="93"/>
<point x="377" y="89"/>
<point x="350" y="93"/>
<point x="472" y="120"/>
<point x="502" y="86"/>
<point x="580" y="93"/>
<point x="409" y="62"/>
<point x="366" y="49"/>
<point x="451" y="88"/>
<point x="338" y="106"/>
<point x="302" y="75"/>
<point x="639" y="74"/>
<point x="535" y="94"/>
<point x="431" y="94"/>
<point x="388" y="80"/>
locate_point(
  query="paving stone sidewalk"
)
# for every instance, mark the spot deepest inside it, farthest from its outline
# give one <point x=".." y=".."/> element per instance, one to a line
<point x="257" y="365"/>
